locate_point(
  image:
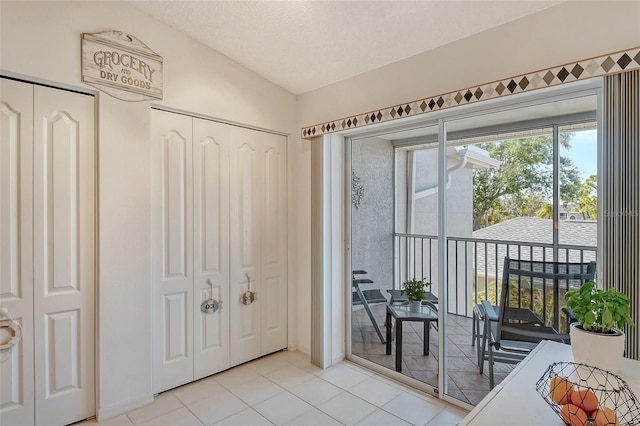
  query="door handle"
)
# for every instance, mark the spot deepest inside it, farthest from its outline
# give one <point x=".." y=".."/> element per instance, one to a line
<point x="15" y="329"/>
<point x="248" y="297"/>
<point x="210" y="305"/>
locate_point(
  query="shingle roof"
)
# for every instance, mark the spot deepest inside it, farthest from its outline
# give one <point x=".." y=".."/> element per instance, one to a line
<point x="534" y="231"/>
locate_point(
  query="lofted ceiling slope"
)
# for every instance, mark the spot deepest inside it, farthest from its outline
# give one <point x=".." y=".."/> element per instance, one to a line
<point x="305" y="45"/>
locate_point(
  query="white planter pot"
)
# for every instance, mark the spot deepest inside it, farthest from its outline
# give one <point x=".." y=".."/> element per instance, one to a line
<point x="604" y="351"/>
<point x="414" y="306"/>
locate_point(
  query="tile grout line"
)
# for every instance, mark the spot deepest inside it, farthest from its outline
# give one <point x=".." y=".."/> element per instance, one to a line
<point x="383" y="379"/>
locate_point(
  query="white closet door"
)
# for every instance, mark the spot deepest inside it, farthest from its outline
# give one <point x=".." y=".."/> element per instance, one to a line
<point x="64" y="242"/>
<point x="273" y="293"/>
<point x="16" y="248"/>
<point x="172" y="249"/>
<point x="48" y="274"/>
<point x="245" y="210"/>
<point x="211" y="248"/>
<point x="258" y="206"/>
<point x="218" y="230"/>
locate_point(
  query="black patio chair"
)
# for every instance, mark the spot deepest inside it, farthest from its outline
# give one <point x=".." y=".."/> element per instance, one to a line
<point x="519" y="324"/>
<point x="365" y="297"/>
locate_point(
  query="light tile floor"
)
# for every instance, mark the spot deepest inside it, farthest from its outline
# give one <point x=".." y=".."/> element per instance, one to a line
<point x="285" y="389"/>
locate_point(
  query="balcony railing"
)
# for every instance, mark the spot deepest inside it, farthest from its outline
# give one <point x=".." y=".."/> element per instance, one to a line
<point x="475" y="267"/>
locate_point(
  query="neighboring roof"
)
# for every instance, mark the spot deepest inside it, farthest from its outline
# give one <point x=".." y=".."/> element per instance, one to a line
<point x="532" y="231"/>
<point x="535" y="229"/>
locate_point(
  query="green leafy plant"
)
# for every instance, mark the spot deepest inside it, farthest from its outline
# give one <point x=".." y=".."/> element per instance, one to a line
<point x="600" y="311"/>
<point x="414" y="289"/>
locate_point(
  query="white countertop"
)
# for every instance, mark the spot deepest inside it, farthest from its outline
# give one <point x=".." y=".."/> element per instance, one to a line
<point x="515" y="401"/>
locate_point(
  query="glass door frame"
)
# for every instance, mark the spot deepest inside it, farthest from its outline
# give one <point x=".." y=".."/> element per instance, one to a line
<point x="442" y="118"/>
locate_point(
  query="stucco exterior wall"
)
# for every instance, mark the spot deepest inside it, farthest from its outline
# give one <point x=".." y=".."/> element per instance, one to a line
<point x="372" y="222"/>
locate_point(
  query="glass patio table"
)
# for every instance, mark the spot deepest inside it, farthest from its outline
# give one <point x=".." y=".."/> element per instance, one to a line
<point x="401" y="313"/>
<point x="397" y="298"/>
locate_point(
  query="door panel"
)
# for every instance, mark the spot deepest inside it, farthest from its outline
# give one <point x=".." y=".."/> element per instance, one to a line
<point x="211" y="253"/>
<point x="175" y="171"/>
<point x="58" y="190"/>
<point x="274" y="244"/>
<point x="244" y="202"/>
<point x="61" y="343"/>
<point x="16" y="247"/>
<point x="64" y="273"/>
<point x="244" y="245"/>
<point x="175" y="323"/>
<point x="172" y="249"/>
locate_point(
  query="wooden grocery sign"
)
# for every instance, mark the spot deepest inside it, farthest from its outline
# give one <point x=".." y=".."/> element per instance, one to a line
<point x="121" y="66"/>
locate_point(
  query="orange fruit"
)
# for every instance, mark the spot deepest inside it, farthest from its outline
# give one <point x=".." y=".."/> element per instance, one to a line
<point x="606" y="417"/>
<point x="585" y="399"/>
<point x="560" y="390"/>
<point x="574" y="415"/>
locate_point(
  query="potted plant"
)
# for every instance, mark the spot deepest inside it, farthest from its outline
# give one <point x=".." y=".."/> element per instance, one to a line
<point x="414" y="289"/>
<point x="597" y="338"/>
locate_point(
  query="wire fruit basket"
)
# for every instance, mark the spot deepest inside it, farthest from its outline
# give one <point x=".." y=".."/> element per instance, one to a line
<point x="584" y="395"/>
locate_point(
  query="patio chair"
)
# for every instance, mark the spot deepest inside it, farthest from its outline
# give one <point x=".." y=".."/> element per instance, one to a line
<point x="365" y="297"/>
<point x="521" y="320"/>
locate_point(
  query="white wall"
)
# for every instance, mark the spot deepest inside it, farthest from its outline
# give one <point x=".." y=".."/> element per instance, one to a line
<point x="41" y="41"/>
<point x="571" y="31"/>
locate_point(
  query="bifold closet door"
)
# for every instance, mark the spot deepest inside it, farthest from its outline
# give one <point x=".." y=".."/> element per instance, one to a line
<point x="274" y="244"/>
<point x="16" y="249"/>
<point x="64" y="255"/>
<point x="211" y="250"/>
<point x="190" y="226"/>
<point x="172" y="249"/>
<point x="258" y="244"/>
<point x="48" y="253"/>
<point x="218" y="230"/>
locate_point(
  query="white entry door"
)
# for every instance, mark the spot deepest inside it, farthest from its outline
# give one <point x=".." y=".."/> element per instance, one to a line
<point x="48" y="258"/>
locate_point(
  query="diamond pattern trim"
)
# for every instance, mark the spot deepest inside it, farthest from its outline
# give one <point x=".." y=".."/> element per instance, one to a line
<point x="612" y="63"/>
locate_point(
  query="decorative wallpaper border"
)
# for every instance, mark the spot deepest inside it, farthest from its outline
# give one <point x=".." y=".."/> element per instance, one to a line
<point x="612" y="63"/>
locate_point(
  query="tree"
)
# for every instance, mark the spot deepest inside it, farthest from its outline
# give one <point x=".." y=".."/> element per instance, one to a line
<point x="546" y="211"/>
<point x="523" y="183"/>
<point x="588" y="197"/>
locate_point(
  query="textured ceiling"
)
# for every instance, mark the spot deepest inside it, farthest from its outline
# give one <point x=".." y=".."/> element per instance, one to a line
<point x="304" y="45"/>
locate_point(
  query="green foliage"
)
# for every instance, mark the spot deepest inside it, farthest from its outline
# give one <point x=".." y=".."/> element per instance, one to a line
<point x="524" y="181"/>
<point x="520" y="296"/>
<point x="414" y="289"/>
<point x="546" y="211"/>
<point x="588" y="197"/>
<point x="599" y="310"/>
<point x="569" y="181"/>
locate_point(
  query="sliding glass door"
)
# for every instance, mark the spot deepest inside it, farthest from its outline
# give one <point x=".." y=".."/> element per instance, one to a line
<point x="445" y="202"/>
<point x="394" y="228"/>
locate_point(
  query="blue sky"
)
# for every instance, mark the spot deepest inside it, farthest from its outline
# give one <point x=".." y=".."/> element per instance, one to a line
<point x="584" y="152"/>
